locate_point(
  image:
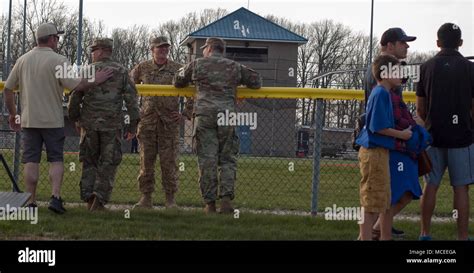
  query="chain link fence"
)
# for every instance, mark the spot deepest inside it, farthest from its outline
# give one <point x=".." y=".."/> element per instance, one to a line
<point x="275" y="167"/>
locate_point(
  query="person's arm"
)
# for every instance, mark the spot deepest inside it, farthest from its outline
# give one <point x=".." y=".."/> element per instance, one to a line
<point x="183" y="76"/>
<point x="404" y="135"/>
<point x="421" y="108"/>
<point x="131" y="102"/>
<point x="472" y="90"/>
<point x="421" y="96"/>
<point x="135" y="74"/>
<point x="379" y="118"/>
<point x="369" y="83"/>
<point x="188" y="108"/>
<point x="74" y="105"/>
<point x="11" y="83"/>
<point x="15" y="125"/>
<point x="250" y="78"/>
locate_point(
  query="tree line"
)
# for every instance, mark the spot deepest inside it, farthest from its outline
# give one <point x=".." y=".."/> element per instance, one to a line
<point x="335" y="56"/>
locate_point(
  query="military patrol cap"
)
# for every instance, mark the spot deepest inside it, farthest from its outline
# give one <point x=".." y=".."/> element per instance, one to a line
<point x="102" y="43"/>
<point x="47" y="29"/>
<point x="213" y="41"/>
<point x="159" y="41"/>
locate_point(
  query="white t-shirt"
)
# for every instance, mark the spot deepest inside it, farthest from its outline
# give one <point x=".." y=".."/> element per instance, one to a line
<point x="41" y="92"/>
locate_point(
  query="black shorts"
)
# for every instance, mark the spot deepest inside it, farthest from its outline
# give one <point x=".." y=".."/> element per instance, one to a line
<point x="33" y="139"/>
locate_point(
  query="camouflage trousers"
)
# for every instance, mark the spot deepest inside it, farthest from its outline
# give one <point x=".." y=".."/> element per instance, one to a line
<point x="217" y="148"/>
<point x="100" y="154"/>
<point x="158" y="139"/>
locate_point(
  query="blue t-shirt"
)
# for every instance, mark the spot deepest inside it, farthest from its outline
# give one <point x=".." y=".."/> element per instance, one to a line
<point x="379" y="116"/>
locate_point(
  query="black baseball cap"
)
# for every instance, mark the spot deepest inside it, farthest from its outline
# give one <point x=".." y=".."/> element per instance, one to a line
<point x="395" y="34"/>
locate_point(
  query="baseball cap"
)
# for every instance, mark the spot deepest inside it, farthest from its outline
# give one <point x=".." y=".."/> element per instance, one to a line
<point x="102" y="42"/>
<point x="395" y="34"/>
<point x="214" y="41"/>
<point x="47" y="29"/>
<point x="159" y="41"/>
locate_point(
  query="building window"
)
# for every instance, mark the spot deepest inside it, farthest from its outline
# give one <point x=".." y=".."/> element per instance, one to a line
<point x="247" y="54"/>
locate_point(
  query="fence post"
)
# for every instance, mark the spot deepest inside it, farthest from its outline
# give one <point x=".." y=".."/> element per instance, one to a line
<point x="318" y="132"/>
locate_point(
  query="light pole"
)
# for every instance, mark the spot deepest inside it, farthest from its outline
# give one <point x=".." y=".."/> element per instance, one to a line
<point x="371" y="31"/>
<point x="79" y="35"/>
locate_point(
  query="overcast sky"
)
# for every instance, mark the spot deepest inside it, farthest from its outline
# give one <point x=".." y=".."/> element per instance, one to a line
<point x="420" y="18"/>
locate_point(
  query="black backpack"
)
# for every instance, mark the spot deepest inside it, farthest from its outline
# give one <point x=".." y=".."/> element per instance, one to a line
<point x="360" y="123"/>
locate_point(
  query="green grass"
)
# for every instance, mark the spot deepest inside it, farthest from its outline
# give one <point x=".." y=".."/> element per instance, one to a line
<point x="262" y="183"/>
<point x="79" y="224"/>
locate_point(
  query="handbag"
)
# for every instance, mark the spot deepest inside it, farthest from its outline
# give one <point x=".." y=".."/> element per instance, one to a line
<point x="424" y="164"/>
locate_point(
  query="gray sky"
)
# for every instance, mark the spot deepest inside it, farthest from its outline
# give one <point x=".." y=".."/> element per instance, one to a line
<point x="420" y="18"/>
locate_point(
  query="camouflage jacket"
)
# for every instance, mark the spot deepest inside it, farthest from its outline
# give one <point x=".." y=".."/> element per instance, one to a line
<point x="102" y="105"/>
<point x="154" y="108"/>
<point x="216" y="79"/>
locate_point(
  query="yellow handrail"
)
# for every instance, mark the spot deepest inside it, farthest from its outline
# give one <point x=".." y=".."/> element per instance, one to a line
<point x="264" y="92"/>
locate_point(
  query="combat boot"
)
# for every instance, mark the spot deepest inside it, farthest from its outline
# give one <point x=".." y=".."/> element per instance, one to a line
<point x="210" y="208"/>
<point x="90" y="201"/>
<point x="226" y="205"/>
<point x="170" y="201"/>
<point x="96" y="204"/>
<point x="145" y="201"/>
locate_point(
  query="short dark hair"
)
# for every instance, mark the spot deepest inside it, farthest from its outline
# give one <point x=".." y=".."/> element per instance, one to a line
<point x="380" y="62"/>
<point x="43" y="40"/>
<point x="217" y="47"/>
<point x="449" y="35"/>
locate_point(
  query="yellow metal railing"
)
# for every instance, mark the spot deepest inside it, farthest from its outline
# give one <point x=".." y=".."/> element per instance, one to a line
<point x="265" y="92"/>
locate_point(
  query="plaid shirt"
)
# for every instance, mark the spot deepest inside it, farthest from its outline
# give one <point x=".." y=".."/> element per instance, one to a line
<point x="403" y="119"/>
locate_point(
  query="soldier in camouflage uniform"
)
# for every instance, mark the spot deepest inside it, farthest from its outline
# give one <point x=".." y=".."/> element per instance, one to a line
<point x="216" y="79"/>
<point x="158" y="131"/>
<point x="101" y="120"/>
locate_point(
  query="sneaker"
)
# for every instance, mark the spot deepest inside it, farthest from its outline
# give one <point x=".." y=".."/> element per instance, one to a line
<point x="397" y="233"/>
<point x="56" y="205"/>
<point x="425" y="238"/>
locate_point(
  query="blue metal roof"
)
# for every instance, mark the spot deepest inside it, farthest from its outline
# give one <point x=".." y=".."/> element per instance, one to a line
<point x="243" y="24"/>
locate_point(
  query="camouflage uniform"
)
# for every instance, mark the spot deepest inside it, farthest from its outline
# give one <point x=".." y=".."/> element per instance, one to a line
<point x="216" y="79"/>
<point x="158" y="133"/>
<point x="101" y="119"/>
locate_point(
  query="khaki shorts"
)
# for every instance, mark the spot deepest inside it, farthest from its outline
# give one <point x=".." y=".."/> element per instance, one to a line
<point x="375" y="182"/>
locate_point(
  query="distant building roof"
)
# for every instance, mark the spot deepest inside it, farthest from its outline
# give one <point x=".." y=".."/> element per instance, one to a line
<point x="245" y="25"/>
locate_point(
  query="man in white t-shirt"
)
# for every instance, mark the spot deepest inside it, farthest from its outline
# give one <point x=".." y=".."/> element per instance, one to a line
<point x="42" y="119"/>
